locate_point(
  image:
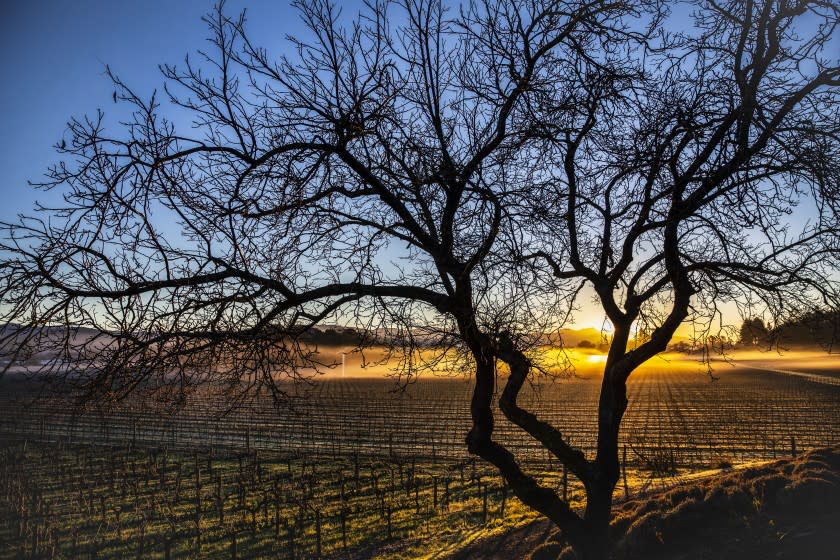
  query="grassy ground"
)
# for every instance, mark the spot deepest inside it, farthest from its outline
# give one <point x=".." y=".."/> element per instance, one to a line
<point x="81" y="501"/>
<point x="787" y="509"/>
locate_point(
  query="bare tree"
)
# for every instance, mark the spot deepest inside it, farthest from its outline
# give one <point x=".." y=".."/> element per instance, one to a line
<point x="711" y="176"/>
<point x="753" y="332"/>
<point x="452" y="179"/>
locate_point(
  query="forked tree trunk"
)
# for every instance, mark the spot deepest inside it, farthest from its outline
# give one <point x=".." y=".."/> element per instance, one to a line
<point x="590" y="539"/>
<point x="588" y="534"/>
<point x="593" y="543"/>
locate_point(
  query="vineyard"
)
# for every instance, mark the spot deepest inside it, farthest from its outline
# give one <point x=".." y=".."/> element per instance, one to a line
<point x="351" y="468"/>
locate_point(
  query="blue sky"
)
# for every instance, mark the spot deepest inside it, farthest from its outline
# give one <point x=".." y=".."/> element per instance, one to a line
<point x="52" y="58"/>
<point x="53" y="54"/>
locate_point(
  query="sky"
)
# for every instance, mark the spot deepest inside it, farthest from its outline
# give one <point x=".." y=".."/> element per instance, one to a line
<point x="53" y="55"/>
<point x="52" y="59"/>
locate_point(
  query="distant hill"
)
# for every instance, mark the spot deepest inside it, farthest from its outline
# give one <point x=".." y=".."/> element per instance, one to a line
<point x="333" y="336"/>
<point x="9" y="328"/>
<point x="338" y="335"/>
<point x="571" y="338"/>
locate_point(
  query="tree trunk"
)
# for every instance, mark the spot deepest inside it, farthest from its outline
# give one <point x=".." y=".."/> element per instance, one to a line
<point x="593" y="545"/>
<point x="592" y="541"/>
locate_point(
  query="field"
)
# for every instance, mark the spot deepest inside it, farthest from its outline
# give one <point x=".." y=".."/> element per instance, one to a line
<point x="353" y="469"/>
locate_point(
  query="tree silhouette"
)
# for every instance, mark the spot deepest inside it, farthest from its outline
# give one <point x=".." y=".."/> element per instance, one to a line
<point x="451" y="182"/>
<point x="816" y="328"/>
<point x="753" y="332"/>
<point x="675" y="191"/>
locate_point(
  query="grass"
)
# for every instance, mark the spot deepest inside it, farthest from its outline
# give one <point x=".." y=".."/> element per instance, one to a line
<point x="782" y="509"/>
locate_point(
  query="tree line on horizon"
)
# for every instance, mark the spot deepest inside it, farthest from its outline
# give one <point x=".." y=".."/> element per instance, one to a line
<point x="817" y="328"/>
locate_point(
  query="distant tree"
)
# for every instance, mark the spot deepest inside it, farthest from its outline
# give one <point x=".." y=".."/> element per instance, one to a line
<point x="717" y="344"/>
<point x="816" y="329"/>
<point x="586" y="344"/>
<point x="682" y="347"/>
<point x="753" y="332"/>
<point x="455" y="177"/>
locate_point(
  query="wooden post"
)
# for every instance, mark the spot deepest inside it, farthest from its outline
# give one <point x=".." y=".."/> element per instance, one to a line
<point x="318" y="533"/>
<point x="446" y="493"/>
<point x="484" y="504"/>
<point x="390" y="534"/>
<point x="197" y="507"/>
<point x="792" y="446"/>
<point x="565" y="483"/>
<point x="356" y="469"/>
<point x="291" y="528"/>
<point x="624" y="473"/>
<point x="276" y="512"/>
<point x="265" y="507"/>
<point x="141" y="540"/>
<point x="504" y="500"/>
<point x="178" y="484"/>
